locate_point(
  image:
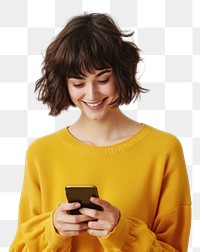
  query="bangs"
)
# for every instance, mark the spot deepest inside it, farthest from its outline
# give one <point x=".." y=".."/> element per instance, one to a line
<point x="87" y="43"/>
<point x="90" y="54"/>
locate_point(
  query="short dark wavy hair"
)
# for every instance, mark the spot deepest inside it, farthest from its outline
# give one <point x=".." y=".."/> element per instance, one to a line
<point x="88" y="42"/>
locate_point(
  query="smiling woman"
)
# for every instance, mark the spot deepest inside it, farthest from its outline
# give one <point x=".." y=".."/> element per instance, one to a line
<point x="94" y="92"/>
<point x="86" y="43"/>
<point x="135" y="167"/>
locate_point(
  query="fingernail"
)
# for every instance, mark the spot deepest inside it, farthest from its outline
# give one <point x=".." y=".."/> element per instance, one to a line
<point x="77" y="205"/>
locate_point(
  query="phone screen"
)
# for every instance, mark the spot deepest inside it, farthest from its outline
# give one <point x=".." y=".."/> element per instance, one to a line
<point x="82" y="194"/>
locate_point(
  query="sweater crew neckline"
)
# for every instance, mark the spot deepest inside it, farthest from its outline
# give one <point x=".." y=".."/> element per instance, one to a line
<point x="107" y="149"/>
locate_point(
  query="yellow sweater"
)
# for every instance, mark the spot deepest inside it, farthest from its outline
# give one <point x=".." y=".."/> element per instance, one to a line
<point x="144" y="177"/>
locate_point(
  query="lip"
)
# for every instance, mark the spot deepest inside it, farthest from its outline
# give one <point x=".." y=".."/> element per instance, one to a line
<point x="98" y="105"/>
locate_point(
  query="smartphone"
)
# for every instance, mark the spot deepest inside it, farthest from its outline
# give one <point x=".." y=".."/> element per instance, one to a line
<point x="82" y="194"/>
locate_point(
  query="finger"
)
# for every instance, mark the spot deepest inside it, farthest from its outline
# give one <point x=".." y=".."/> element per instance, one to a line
<point x="77" y="218"/>
<point x="103" y="203"/>
<point x="98" y="233"/>
<point x="68" y="218"/>
<point x="94" y="214"/>
<point x="71" y="233"/>
<point x="69" y="206"/>
<point x="100" y="225"/>
<point x="68" y="227"/>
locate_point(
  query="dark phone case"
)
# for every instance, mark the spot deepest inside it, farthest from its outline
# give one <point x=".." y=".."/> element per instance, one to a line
<point x="82" y="194"/>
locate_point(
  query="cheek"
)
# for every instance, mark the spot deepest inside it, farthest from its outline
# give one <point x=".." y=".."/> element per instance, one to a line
<point x="112" y="89"/>
<point x="72" y="93"/>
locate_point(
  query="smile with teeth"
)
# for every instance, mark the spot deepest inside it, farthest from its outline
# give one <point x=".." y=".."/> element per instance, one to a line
<point x="94" y="104"/>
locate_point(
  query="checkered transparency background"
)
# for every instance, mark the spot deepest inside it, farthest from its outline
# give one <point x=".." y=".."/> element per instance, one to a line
<point x="168" y="33"/>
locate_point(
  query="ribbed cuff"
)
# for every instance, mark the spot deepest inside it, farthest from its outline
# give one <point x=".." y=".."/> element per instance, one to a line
<point x="116" y="238"/>
<point x="55" y="240"/>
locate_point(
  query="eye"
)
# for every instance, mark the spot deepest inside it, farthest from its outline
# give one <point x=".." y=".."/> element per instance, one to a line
<point x="78" y="85"/>
<point x="103" y="81"/>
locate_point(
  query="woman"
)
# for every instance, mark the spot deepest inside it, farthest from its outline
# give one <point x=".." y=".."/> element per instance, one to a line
<point x="139" y="171"/>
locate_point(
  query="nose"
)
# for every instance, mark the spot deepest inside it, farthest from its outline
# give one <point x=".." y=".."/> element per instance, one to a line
<point x="92" y="92"/>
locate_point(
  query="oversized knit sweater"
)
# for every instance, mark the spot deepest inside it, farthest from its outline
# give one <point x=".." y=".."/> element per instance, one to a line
<point x="145" y="177"/>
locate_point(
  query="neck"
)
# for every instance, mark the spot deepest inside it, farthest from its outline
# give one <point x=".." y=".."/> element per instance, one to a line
<point x="105" y="131"/>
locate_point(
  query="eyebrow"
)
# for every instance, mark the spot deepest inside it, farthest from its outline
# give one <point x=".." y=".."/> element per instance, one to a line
<point x="99" y="74"/>
<point x="103" y="72"/>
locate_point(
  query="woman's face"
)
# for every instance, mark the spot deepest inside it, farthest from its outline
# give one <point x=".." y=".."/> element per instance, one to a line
<point x="93" y="93"/>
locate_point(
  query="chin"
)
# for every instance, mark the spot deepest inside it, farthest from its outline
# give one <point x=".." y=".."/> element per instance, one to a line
<point x="97" y="117"/>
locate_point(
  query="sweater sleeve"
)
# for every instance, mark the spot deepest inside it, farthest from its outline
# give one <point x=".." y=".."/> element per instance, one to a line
<point x="171" y="224"/>
<point x="35" y="231"/>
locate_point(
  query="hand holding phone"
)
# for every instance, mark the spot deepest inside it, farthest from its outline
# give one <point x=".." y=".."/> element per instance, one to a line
<point x="82" y="194"/>
<point x="96" y="223"/>
<point x="65" y="224"/>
